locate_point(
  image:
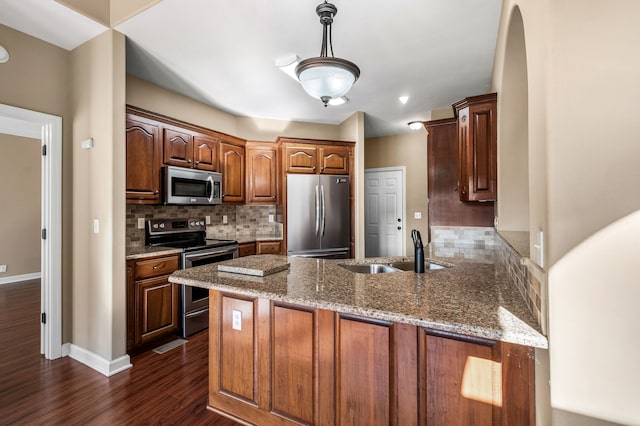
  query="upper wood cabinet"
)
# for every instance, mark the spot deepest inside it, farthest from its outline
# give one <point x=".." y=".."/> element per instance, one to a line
<point x="183" y="148"/>
<point x="308" y="156"/>
<point x="232" y="169"/>
<point x="262" y="173"/>
<point x="178" y="148"/>
<point x="334" y="160"/>
<point x="144" y="151"/>
<point x="477" y="156"/>
<point x="205" y="153"/>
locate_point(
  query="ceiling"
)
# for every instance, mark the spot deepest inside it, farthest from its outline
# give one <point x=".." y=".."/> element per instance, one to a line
<point x="222" y="53"/>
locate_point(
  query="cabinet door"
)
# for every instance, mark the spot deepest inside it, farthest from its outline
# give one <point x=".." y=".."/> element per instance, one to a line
<point x="334" y="160"/>
<point x="178" y="148"/>
<point x="232" y="169"/>
<point x="246" y="249"/>
<point x="262" y="175"/>
<point x="143" y="161"/>
<point x="478" y="149"/>
<point x="300" y="158"/>
<point x="205" y="153"/>
<point x="461" y="381"/>
<point x="269" y="247"/>
<point x="156" y="301"/>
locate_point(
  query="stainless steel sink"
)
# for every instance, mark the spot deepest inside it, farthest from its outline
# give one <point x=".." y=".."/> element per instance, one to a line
<point x="369" y="268"/>
<point x="408" y="265"/>
<point x="381" y="268"/>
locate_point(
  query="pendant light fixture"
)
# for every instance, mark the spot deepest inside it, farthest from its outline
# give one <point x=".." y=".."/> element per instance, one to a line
<point x="327" y="77"/>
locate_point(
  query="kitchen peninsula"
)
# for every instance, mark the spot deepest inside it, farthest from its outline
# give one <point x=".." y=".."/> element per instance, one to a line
<point x="317" y="344"/>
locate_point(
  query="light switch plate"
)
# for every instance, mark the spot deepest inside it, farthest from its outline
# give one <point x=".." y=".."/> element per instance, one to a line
<point x="417" y="215"/>
<point x="224" y="219"/>
<point x="141" y="223"/>
<point x="96" y="226"/>
<point x="3" y="268"/>
<point x="270" y="218"/>
<point x="207" y="220"/>
<point x="237" y="320"/>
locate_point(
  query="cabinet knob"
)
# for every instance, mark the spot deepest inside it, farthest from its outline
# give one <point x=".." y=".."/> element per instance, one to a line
<point x="188" y="161"/>
<point x="197" y="162"/>
<point x="273" y="197"/>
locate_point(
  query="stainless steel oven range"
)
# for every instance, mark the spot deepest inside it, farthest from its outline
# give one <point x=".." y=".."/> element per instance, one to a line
<point x="190" y="236"/>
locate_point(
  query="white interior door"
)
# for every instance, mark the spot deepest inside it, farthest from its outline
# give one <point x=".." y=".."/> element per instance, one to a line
<point x="384" y="213"/>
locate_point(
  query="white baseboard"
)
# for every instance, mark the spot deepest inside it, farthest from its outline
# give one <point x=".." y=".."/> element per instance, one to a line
<point x="18" y="278"/>
<point x="101" y="365"/>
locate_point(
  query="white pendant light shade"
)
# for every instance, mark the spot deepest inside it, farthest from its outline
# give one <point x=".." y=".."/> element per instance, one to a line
<point x="327" y="78"/>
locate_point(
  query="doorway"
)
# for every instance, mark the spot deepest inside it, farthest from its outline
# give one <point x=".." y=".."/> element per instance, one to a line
<point x="48" y="129"/>
<point x="384" y="214"/>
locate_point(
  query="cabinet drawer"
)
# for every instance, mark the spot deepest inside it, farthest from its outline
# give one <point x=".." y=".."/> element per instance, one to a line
<point x="157" y="266"/>
<point x="246" y="249"/>
<point x="269" y="247"/>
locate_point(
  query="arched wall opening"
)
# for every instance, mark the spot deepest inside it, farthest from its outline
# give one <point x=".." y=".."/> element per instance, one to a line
<point x="513" y="134"/>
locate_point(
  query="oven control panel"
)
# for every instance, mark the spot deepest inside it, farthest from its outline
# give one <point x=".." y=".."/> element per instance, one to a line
<point x="172" y="226"/>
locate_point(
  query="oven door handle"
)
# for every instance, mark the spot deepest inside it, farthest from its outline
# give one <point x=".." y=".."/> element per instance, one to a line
<point x="197" y="256"/>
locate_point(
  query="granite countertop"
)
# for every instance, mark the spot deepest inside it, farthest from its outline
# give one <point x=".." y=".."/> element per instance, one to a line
<point x="473" y="298"/>
<point x="149" y="251"/>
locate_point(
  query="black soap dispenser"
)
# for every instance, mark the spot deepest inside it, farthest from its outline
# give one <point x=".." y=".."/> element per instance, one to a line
<point x="419" y="251"/>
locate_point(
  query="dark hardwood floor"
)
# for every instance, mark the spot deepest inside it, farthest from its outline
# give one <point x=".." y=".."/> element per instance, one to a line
<point x="169" y="388"/>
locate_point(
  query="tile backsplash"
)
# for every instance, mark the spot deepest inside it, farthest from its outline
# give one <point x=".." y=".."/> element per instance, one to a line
<point x="241" y="220"/>
<point x="510" y="249"/>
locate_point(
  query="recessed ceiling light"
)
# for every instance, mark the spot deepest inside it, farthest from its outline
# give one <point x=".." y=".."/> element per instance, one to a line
<point x="288" y="64"/>
<point x="403" y="99"/>
<point x="4" y="55"/>
<point x="338" y="101"/>
<point x="415" y="125"/>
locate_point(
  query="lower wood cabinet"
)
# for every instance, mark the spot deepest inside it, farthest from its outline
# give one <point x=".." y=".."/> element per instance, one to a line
<point x="272" y="363"/>
<point x="269" y="247"/>
<point x="246" y="249"/>
<point x="152" y="302"/>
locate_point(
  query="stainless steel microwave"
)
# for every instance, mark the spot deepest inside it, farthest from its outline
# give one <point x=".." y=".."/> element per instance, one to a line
<point x="192" y="187"/>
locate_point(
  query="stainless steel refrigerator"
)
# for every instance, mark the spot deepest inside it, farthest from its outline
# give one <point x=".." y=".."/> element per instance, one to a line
<point x="318" y="216"/>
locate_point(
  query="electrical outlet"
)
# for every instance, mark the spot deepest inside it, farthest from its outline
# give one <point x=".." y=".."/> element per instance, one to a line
<point x="417" y="215"/>
<point x="224" y="219"/>
<point x="270" y="218"/>
<point x="3" y="268"/>
<point x="141" y="223"/>
<point x="96" y="226"/>
<point x="207" y="220"/>
<point x="237" y="320"/>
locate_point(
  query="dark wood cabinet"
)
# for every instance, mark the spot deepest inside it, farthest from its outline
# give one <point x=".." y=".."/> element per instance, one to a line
<point x="152" y="302"/>
<point x="305" y="156"/>
<point x="262" y="173"/>
<point x="246" y="249"/>
<point x="334" y="160"/>
<point x="232" y="169"/>
<point x="300" y="158"/>
<point x="477" y="139"/>
<point x="143" y="161"/>
<point x="445" y="206"/>
<point x="178" y="147"/>
<point x="269" y="247"/>
<point x="276" y="363"/>
<point x="205" y="153"/>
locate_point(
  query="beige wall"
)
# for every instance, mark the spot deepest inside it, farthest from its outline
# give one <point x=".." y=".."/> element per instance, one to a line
<point x="583" y="175"/>
<point x="37" y="78"/>
<point x="20" y="189"/>
<point x="408" y="150"/>
<point x="352" y="129"/>
<point x="154" y="98"/>
<point x="99" y="276"/>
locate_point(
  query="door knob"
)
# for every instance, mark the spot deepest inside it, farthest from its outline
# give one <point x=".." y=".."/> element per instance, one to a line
<point x="399" y="228"/>
<point x="399" y="220"/>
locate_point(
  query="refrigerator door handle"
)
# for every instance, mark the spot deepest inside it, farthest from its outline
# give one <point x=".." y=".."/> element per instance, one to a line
<point x="318" y="211"/>
<point x="323" y="210"/>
